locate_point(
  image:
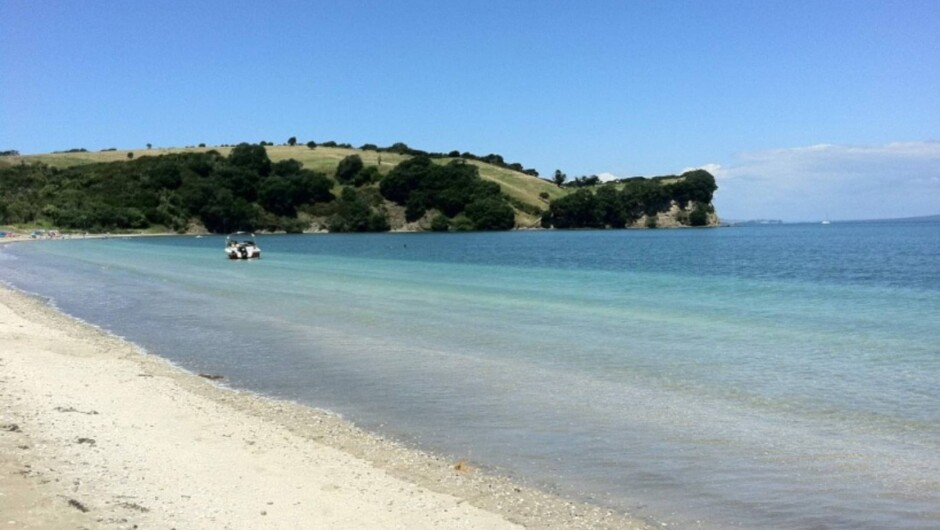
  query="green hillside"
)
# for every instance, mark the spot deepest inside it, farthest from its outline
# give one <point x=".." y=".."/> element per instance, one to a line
<point x="515" y="184"/>
<point x="121" y="189"/>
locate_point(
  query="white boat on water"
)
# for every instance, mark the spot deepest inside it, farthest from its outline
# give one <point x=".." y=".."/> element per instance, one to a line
<point x="246" y="249"/>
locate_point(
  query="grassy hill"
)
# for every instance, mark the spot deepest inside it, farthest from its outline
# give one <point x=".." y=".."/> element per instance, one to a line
<point x="665" y="201"/>
<point x="519" y="186"/>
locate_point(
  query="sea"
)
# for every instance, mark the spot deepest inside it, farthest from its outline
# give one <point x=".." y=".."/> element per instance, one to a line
<point x="778" y="376"/>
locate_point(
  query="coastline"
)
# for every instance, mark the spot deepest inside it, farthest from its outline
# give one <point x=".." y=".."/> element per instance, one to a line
<point x="90" y="422"/>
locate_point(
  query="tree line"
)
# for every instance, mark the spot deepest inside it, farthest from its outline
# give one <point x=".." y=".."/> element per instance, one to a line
<point x="246" y="191"/>
<point x="618" y="204"/>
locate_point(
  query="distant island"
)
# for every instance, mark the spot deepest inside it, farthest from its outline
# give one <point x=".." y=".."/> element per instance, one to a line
<point x="917" y="219"/>
<point x="328" y="187"/>
<point x="751" y="222"/>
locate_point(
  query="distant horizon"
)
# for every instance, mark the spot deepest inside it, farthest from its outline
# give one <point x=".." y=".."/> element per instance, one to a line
<point x="934" y="217"/>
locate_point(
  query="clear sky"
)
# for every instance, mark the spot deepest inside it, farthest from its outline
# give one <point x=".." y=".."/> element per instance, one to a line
<point x="801" y="109"/>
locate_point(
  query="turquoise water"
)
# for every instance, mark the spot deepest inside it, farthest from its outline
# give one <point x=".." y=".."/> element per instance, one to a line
<point x="774" y="376"/>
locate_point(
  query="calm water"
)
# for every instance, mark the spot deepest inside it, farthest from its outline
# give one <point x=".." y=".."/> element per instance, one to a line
<point x="781" y="376"/>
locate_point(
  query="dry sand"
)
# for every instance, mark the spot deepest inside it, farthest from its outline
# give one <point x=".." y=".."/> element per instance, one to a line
<point x="97" y="434"/>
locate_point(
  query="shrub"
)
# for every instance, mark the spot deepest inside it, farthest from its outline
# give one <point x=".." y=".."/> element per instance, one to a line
<point x="354" y="214"/>
<point x="461" y="223"/>
<point x="699" y="215"/>
<point x="251" y="157"/>
<point x="367" y="175"/>
<point x="348" y="168"/>
<point x="440" y="223"/>
<point x="491" y="213"/>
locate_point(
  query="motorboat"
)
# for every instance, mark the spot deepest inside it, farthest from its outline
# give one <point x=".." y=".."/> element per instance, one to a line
<point x="246" y="249"/>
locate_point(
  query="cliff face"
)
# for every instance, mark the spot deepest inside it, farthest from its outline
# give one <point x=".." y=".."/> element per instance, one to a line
<point x="637" y="202"/>
<point x="676" y="217"/>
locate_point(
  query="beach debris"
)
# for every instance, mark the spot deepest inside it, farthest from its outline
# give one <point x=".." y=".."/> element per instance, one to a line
<point x="89" y="441"/>
<point x="463" y="467"/>
<point x="10" y="427"/>
<point x="134" y="506"/>
<point x="73" y="409"/>
<point x="212" y="377"/>
<point x="78" y="505"/>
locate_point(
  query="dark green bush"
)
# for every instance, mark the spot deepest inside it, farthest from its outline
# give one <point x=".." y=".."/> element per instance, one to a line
<point x="348" y="168"/>
<point x="440" y="223"/>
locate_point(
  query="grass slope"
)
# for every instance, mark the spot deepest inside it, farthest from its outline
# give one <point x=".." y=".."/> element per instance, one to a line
<point x="519" y="186"/>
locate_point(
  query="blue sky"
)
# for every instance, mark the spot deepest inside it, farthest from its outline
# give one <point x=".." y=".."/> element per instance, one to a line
<point x="801" y="109"/>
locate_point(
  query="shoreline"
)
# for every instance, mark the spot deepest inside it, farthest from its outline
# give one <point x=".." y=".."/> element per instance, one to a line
<point x="190" y="453"/>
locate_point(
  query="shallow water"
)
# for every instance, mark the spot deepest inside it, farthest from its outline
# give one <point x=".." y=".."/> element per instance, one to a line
<point x="775" y="376"/>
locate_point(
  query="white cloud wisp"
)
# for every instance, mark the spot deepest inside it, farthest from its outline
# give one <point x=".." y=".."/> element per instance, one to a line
<point x="840" y="182"/>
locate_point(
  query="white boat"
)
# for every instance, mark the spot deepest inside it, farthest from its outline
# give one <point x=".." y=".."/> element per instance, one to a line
<point x="246" y="249"/>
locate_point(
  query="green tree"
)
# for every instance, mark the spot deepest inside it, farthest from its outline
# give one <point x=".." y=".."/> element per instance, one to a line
<point x="440" y="223"/>
<point x="286" y="167"/>
<point x="311" y="187"/>
<point x="348" y="168"/>
<point x="253" y="157"/>
<point x="241" y="180"/>
<point x="292" y="141"/>
<point x="226" y="213"/>
<point x="699" y="215"/>
<point x="578" y="210"/>
<point x="610" y="208"/>
<point x="404" y="178"/>
<point x="367" y="175"/>
<point x="559" y="178"/>
<point x="462" y="223"/>
<point x="354" y="214"/>
<point x="311" y="144"/>
<point x="491" y="213"/>
<point x="277" y="196"/>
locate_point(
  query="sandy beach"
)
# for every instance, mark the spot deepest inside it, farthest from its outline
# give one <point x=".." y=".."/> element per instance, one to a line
<point x="95" y="433"/>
